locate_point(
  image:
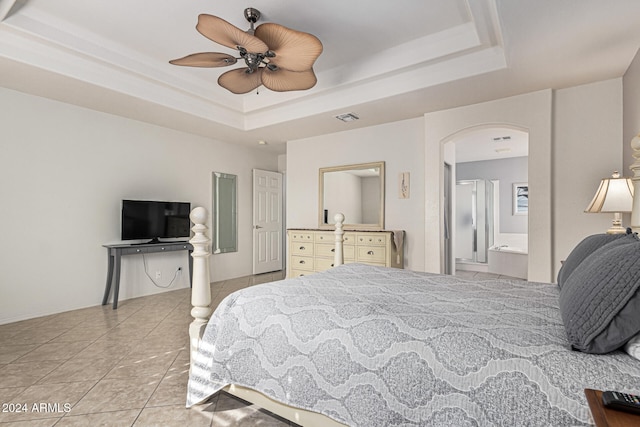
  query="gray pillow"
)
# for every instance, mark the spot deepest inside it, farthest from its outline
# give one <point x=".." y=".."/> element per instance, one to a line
<point x="600" y="302"/>
<point x="582" y="250"/>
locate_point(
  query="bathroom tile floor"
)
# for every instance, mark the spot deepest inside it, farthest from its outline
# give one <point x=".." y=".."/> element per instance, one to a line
<point x="103" y="367"/>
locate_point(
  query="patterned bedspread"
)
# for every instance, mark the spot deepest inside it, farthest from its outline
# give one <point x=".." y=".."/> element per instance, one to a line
<point x="372" y="346"/>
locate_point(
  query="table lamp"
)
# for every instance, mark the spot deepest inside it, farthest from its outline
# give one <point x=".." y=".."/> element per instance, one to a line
<point x="614" y="195"/>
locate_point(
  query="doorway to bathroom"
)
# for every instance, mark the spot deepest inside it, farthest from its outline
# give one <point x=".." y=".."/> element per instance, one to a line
<point x="489" y="195"/>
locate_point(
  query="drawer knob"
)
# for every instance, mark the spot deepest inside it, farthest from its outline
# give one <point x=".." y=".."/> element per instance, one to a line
<point x="333" y="250"/>
<point x="370" y="253"/>
<point x="302" y="261"/>
<point x="302" y="248"/>
<point x="137" y="250"/>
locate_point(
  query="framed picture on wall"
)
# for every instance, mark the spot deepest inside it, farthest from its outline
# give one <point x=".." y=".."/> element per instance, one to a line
<point x="520" y="198"/>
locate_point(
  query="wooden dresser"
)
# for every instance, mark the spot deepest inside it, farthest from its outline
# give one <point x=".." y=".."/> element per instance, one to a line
<point x="312" y="250"/>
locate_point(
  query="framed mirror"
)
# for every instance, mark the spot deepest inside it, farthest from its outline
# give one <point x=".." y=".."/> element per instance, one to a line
<point x="357" y="191"/>
<point x="225" y="215"/>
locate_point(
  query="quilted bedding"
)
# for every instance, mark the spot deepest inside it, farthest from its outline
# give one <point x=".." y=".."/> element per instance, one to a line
<point x="374" y="346"/>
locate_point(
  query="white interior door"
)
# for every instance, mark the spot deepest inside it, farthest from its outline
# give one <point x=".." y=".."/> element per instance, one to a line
<point x="267" y="221"/>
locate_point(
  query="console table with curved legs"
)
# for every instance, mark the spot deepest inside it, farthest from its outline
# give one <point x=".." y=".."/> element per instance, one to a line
<point x="115" y="253"/>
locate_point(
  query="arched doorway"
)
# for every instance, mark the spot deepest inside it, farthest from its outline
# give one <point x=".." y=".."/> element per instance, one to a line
<point x="485" y="233"/>
<point x="531" y="112"/>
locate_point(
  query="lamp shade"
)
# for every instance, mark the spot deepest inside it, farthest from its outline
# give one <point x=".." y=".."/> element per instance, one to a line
<point x="614" y="194"/>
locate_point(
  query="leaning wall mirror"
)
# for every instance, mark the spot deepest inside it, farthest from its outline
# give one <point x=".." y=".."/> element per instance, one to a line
<point x="357" y="191"/>
<point x="225" y="215"/>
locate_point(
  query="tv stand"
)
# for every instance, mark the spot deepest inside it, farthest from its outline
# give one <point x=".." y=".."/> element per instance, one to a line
<point x="115" y="253"/>
<point x="154" y="241"/>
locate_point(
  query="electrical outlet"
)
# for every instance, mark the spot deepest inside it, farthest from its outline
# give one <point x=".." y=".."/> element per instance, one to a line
<point x="158" y="275"/>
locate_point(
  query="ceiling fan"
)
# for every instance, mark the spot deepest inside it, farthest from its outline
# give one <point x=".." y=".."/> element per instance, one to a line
<point x="275" y="56"/>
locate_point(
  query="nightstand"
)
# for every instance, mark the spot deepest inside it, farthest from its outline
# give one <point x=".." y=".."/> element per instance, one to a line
<point x="604" y="417"/>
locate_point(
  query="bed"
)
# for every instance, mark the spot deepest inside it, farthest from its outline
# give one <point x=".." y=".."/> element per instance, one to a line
<point x="359" y="345"/>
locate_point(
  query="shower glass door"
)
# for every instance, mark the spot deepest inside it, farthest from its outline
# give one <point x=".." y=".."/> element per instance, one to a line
<point x="474" y="220"/>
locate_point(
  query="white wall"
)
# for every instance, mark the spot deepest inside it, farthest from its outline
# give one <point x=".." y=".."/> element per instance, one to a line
<point x="631" y="110"/>
<point x="588" y="147"/>
<point x="531" y="113"/>
<point x="574" y="140"/>
<point x="400" y="145"/>
<point x="631" y="96"/>
<point x="63" y="173"/>
<point x="574" y="135"/>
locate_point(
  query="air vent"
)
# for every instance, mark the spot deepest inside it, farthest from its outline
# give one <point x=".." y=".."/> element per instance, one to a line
<point x="347" y="117"/>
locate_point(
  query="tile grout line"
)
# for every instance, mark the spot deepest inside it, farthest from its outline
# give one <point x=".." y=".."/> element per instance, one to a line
<point x="167" y="309"/>
<point x="107" y="373"/>
<point x="154" y="390"/>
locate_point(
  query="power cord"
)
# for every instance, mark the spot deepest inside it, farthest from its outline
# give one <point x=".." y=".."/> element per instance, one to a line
<point x="175" y="275"/>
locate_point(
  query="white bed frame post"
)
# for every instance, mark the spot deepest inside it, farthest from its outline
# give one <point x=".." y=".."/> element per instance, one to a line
<point x="339" y="254"/>
<point x="635" y="168"/>
<point x="201" y="311"/>
<point x="201" y="286"/>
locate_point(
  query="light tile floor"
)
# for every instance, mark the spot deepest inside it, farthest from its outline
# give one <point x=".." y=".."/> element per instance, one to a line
<point x="103" y="367"/>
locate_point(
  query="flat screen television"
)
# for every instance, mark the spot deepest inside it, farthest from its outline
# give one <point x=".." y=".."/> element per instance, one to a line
<point x="153" y="220"/>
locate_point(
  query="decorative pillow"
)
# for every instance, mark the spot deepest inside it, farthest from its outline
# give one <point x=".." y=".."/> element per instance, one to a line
<point x="600" y="302"/>
<point x="585" y="248"/>
<point x="633" y="347"/>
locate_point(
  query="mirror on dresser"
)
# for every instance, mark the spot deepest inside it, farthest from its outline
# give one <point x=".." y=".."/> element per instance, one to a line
<point x="357" y="191"/>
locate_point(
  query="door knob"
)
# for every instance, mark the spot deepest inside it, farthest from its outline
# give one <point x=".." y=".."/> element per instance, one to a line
<point x="257" y="227"/>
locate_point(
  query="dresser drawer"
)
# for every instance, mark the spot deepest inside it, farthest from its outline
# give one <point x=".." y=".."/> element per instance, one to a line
<point x="301" y="236"/>
<point x="374" y="254"/>
<point x="322" y="264"/>
<point x="329" y="251"/>
<point x="302" y="248"/>
<point x="347" y="238"/>
<point x="327" y="237"/>
<point x="302" y="262"/>
<point x="298" y="273"/>
<point x="377" y="239"/>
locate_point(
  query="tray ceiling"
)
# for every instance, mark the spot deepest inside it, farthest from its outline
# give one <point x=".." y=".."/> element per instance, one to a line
<point x="384" y="61"/>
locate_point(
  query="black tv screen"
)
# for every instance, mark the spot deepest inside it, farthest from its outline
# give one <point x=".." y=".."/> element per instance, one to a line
<point x="143" y="219"/>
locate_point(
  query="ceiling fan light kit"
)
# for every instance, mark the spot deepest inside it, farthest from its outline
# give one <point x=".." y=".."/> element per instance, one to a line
<point x="275" y="56"/>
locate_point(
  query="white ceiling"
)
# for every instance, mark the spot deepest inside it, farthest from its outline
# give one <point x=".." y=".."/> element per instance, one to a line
<point x="384" y="61"/>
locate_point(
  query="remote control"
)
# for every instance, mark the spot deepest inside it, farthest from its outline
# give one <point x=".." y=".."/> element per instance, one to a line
<point x="621" y="401"/>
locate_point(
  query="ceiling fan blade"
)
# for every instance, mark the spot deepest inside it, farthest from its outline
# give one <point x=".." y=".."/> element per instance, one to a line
<point x="282" y="80"/>
<point x="206" y="60"/>
<point x="295" y="50"/>
<point x="226" y="34"/>
<point x="239" y="81"/>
